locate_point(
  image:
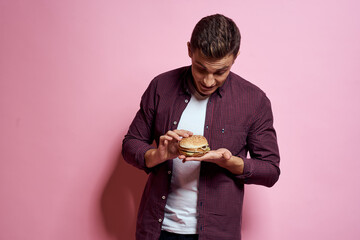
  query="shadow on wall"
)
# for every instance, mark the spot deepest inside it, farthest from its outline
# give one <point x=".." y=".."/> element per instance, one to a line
<point x="248" y="213"/>
<point x="121" y="198"/>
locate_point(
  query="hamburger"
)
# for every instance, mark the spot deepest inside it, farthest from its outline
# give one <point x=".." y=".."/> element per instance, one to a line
<point x="193" y="146"/>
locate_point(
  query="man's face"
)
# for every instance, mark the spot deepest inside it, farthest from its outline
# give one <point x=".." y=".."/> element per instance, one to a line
<point x="209" y="74"/>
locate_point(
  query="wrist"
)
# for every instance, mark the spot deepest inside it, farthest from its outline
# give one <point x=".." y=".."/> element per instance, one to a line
<point x="151" y="158"/>
<point x="235" y="165"/>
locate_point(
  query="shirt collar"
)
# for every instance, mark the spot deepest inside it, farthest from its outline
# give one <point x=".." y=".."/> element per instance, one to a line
<point x="188" y="78"/>
<point x="221" y="90"/>
<point x="184" y="81"/>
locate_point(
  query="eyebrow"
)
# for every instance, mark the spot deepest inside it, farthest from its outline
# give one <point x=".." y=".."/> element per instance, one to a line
<point x="217" y="70"/>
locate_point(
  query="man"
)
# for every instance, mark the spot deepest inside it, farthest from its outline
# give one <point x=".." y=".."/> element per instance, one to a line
<point x="202" y="197"/>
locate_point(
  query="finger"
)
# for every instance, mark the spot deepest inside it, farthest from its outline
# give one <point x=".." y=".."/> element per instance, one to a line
<point x="193" y="159"/>
<point x="164" y="141"/>
<point x="227" y="155"/>
<point x="183" y="133"/>
<point x="181" y="156"/>
<point x="209" y="157"/>
<point x="186" y="159"/>
<point x="165" y="137"/>
<point x="173" y="134"/>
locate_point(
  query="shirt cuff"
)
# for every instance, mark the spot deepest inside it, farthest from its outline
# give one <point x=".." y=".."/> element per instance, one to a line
<point x="247" y="171"/>
<point x="140" y="157"/>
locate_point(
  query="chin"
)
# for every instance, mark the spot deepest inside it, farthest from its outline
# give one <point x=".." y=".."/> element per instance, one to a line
<point x="207" y="93"/>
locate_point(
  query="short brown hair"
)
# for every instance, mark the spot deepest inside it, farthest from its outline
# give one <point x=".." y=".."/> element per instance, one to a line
<point x="216" y="36"/>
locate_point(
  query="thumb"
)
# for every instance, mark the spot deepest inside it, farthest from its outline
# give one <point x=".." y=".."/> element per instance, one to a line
<point x="227" y="155"/>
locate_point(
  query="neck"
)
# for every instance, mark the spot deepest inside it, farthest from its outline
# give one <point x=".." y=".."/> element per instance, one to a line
<point x="193" y="90"/>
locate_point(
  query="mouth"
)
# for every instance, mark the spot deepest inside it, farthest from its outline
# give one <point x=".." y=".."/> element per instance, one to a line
<point x="206" y="88"/>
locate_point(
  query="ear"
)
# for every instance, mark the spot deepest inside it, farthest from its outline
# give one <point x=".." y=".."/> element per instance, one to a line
<point x="190" y="53"/>
<point x="235" y="57"/>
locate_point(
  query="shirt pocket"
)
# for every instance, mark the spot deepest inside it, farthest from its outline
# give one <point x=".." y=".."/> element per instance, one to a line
<point x="229" y="136"/>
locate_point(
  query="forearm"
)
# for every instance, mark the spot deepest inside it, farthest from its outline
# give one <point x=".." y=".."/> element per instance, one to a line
<point x="250" y="170"/>
<point x="151" y="158"/>
<point x="134" y="150"/>
<point x="262" y="167"/>
<point x="235" y="165"/>
<point x="260" y="172"/>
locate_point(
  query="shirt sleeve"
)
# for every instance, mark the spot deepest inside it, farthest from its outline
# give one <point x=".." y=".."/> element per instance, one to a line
<point x="262" y="167"/>
<point x="140" y="137"/>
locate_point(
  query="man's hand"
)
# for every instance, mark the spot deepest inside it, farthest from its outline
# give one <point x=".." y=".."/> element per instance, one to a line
<point x="167" y="149"/>
<point x="221" y="157"/>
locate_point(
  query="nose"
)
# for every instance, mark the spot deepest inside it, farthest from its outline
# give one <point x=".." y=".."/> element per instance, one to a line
<point x="209" y="80"/>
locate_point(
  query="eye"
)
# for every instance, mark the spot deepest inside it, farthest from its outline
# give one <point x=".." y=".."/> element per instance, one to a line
<point x="220" y="73"/>
<point x="201" y="70"/>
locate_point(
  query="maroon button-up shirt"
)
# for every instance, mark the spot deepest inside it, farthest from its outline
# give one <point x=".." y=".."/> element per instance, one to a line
<point x="238" y="117"/>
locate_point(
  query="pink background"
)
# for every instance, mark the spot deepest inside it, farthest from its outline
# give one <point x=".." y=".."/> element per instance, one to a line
<point x="71" y="76"/>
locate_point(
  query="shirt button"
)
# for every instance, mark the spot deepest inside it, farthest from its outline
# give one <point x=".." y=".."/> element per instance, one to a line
<point x="186" y="101"/>
<point x="169" y="172"/>
<point x="175" y="122"/>
<point x="163" y="197"/>
<point x="160" y="220"/>
<point x="207" y="126"/>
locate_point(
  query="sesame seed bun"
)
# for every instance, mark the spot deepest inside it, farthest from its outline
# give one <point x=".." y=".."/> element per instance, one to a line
<point x="193" y="146"/>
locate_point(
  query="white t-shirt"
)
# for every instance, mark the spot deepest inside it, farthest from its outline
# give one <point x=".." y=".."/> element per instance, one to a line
<point x="180" y="210"/>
